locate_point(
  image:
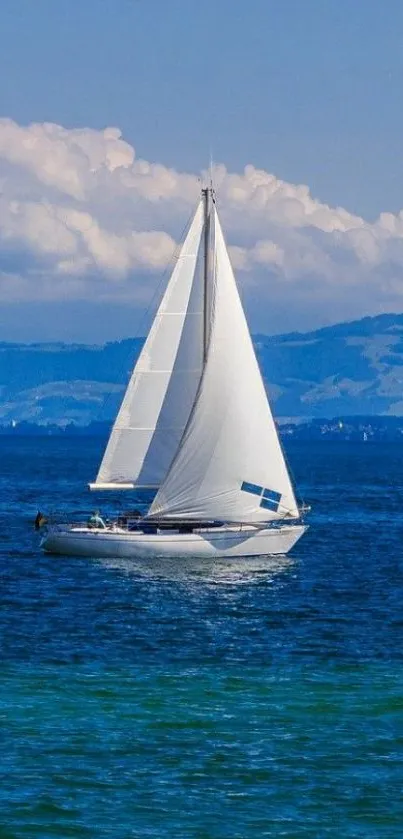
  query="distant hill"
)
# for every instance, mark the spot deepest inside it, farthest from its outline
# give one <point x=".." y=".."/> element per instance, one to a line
<point x="351" y="369"/>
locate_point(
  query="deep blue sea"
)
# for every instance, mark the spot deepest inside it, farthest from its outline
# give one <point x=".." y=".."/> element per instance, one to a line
<point x="257" y="698"/>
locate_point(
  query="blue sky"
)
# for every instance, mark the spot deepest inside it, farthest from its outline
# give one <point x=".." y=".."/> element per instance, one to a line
<point x="307" y="90"/>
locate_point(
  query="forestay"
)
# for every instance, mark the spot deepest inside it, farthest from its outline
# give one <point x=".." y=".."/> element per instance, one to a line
<point x="229" y="465"/>
<point x="163" y="386"/>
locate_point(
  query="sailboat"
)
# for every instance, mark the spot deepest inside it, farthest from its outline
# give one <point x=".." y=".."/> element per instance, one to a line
<point x="195" y="426"/>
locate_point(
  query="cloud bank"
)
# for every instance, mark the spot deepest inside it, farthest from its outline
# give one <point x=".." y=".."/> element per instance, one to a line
<point x="82" y="215"/>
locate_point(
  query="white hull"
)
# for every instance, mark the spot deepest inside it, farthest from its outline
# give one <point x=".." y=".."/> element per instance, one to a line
<point x="219" y="542"/>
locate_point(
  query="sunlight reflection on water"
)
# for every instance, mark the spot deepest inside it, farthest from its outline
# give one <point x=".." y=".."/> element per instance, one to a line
<point x="236" y="571"/>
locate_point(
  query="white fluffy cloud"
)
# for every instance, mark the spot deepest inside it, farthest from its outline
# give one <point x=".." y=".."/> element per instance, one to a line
<point x="81" y="214"/>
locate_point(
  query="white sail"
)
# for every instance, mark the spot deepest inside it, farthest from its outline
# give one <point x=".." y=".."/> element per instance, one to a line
<point x="229" y="465"/>
<point x="163" y="386"/>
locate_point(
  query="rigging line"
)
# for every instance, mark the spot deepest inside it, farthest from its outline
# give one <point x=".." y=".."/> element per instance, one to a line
<point x="205" y="193"/>
<point x="297" y="494"/>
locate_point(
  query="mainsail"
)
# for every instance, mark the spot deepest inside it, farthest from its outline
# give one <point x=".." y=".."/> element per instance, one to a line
<point x="162" y="390"/>
<point x="229" y="465"/>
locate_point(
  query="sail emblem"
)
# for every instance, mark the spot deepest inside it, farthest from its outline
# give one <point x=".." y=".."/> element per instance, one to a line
<point x="269" y="499"/>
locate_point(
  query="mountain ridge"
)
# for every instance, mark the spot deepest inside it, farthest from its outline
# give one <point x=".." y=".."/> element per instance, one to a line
<point x="353" y="368"/>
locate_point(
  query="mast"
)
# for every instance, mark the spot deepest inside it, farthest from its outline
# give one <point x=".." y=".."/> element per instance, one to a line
<point x="206" y="200"/>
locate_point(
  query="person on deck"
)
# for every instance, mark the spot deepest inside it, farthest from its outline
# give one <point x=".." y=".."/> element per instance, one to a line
<point x="95" y="521"/>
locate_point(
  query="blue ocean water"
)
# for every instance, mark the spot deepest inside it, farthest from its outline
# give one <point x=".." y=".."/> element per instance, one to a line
<point x="205" y="700"/>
